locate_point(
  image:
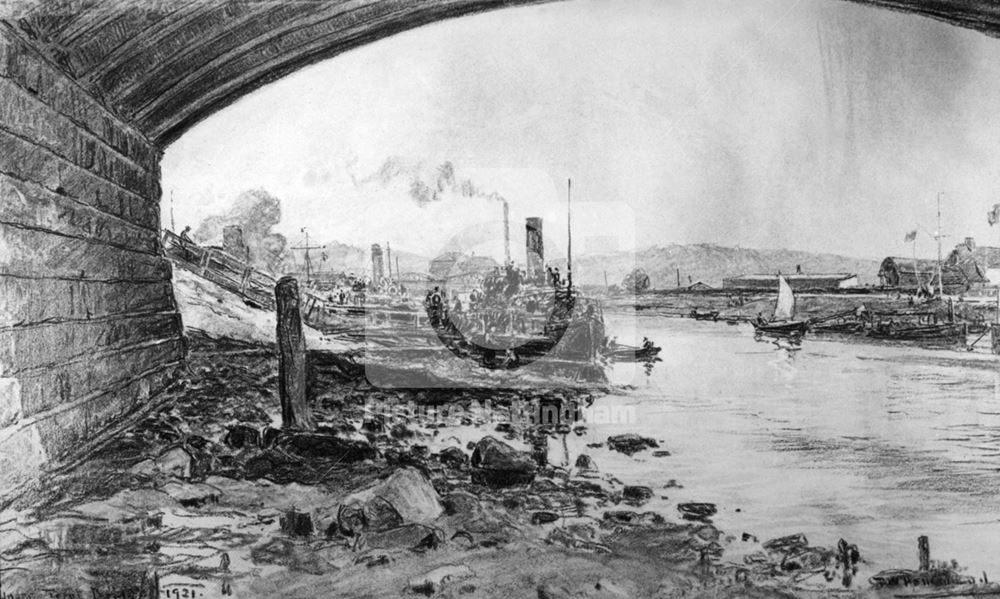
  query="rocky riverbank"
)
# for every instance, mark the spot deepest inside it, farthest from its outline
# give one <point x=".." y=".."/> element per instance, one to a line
<point x="208" y="496"/>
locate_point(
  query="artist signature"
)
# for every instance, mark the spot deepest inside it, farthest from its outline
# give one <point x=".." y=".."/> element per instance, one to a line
<point x="168" y="591"/>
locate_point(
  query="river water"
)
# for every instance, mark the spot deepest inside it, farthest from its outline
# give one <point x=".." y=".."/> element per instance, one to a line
<point x="871" y="443"/>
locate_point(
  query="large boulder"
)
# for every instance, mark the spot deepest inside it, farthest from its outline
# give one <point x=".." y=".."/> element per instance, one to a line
<point x="631" y="443"/>
<point x="406" y="496"/>
<point x="497" y="464"/>
<point x="325" y="443"/>
<point x="585" y="463"/>
<point x="637" y="494"/>
<point x="176" y="461"/>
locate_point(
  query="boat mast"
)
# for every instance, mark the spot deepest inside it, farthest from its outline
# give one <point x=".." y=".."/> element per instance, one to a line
<point x="308" y="247"/>
<point x="569" y="237"/>
<point x="938" y="236"/>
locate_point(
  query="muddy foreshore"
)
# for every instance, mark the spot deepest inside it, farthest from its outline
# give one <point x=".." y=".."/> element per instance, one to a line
<point x="206" y="497"/>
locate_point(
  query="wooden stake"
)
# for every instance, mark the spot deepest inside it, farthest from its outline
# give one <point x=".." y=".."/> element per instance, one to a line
<point x="295" y="411"/>
<point x="924" y="551"/>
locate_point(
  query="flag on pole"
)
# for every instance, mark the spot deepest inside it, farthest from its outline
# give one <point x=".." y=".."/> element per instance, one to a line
<point x="993" y="216"/>
<point x="911" y="236"/>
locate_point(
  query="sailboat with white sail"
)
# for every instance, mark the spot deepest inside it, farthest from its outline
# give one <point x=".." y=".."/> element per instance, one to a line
<point x="782" y="321"/>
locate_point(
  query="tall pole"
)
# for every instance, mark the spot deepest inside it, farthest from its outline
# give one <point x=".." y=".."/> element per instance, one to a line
<point x="940" y="282"/>
<point x="173" y="225"/>
<point x="388" y="259"/>
<point x="569" y="237"/>
<point x="506" y="233"/>
<point x="397" y="269"/>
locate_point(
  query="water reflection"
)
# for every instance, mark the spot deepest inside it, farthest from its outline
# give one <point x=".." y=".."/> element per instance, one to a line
<point x="871" y="443"/>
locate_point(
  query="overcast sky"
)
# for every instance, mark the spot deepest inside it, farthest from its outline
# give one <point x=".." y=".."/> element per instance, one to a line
<point x="813" y="125"/>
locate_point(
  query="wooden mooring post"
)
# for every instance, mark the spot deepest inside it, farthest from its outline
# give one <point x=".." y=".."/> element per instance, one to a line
<point x="924" y="553"/>
<point x="295" y="412"/>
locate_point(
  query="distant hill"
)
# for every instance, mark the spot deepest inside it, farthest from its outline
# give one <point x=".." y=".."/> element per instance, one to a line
<point x="704" y="262"/>
<point x="711" y="263"/>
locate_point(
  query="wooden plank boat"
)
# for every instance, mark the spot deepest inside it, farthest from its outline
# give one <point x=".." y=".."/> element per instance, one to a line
<point x="628" y="353"/>
<point x="929" y="333"/>
<point x="698" y="314"/>
<point x="844" y="327"/>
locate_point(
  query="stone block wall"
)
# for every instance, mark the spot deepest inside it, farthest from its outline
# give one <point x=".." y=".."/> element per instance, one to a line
<point x="89" y="331"/>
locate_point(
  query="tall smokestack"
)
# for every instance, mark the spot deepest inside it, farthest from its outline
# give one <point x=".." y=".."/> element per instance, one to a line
<point x="378" y="268"/>
<point x="506" y="234"/>
<point x="535" y="250"/>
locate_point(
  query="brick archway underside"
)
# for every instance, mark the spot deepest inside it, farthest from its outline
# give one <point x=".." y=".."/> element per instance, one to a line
<point x="163" y="65"/>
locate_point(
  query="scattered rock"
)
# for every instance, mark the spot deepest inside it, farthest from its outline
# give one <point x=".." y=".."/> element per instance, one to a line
<point x="374" y="424"/>
<point x="809" y="559"/>
<point x="409" y="536"/>
<point x="241" y="436"/>
<point x="350" y="520"/>
<point x="586" y="488"/>
<point x="586" y="463"/>
<point x="460" y="502"/>
<point x="325" y="443"/>
<point x="497" y="464"/>
<point x="452" y="457"/>
<point x="269" y="436"/>
<point x="570" y="538"/>
<point x="296" y="524"/>
<point x="432" y="582"/>
<point x="400" y="431"/>
<point x="175" y="462"/>
<point x="595" y="445"/>
<point x="544" y="517"/>
<point x="381" y="515"/>
<point x="662" y="453"/>
<point x="637" y="495"/>
<point x="786" y="545"/>
<point x="707" y="533"/>
<point x="701" y="512"/>
<point x="192" y="494"/>
<point x="630" y="443"/>
<point x="409" y="492"/>
<point x="630" y="517"/>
